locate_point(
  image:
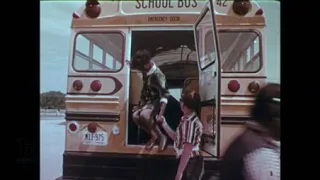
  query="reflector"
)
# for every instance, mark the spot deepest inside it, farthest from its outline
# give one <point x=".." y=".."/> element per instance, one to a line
<point x="253" y="87"/>
<point x="77" y="85"/>
<point x="259" y="12"/>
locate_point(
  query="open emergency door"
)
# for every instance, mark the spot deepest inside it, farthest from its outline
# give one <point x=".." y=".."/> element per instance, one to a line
<point x="206" y="41"/>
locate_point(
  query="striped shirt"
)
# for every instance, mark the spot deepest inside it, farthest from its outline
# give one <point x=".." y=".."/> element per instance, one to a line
<point x="189" y="130"/>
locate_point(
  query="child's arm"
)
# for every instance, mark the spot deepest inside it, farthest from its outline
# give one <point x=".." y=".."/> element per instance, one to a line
<point x="184" y="159"/>
<point x="171" y="133"/>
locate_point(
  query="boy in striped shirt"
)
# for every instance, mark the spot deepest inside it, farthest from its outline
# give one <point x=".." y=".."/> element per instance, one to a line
<point x="187" y="138"/>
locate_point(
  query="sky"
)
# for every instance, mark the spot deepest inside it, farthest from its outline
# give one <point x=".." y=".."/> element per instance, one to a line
<point x="55" y="21"/>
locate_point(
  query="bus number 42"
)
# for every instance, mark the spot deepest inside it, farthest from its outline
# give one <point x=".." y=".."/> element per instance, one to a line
<point x="222" y="3"/>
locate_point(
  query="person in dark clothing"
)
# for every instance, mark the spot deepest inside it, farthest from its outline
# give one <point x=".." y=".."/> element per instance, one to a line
<point x="255" y="154"/>
<point x="153" y="99"/>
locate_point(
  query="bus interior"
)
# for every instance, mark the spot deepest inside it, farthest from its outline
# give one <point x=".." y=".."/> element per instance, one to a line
<point x="174" y="53"/>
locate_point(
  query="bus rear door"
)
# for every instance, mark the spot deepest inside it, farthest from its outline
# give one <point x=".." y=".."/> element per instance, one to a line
<point x="97" y="93"/>
<point x="209" y="79"/>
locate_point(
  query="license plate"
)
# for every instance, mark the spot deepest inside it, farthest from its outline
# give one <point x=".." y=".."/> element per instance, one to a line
<point x="99" y="138"/>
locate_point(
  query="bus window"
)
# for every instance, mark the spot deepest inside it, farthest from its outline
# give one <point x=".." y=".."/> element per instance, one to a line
<point x="83" y="45"/>
<point x="175" y="92"/>
<point x="240" y="50"/>
<point x="98" y="52"/>
<point x="209" y="50"/>
<point x="97" y="56"/>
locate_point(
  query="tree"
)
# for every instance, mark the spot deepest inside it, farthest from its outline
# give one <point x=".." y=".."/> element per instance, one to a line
<point x="52" y="100"/>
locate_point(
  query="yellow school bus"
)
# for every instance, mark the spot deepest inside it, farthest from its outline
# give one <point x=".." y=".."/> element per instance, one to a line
<point x="213" y="47"/>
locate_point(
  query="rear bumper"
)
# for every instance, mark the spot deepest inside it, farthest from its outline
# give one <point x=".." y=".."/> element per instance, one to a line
<point x="115" y="166"/>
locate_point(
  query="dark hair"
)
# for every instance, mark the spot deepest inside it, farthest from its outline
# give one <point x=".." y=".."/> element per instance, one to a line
<point x="267" y="104"/>
<point x="143" y="57"/>
<point x="191" y="99"/>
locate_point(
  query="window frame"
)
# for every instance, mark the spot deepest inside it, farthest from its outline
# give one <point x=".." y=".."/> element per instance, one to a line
<point x="261" y="64"/>
<point x="198" y="35"/>
<point x="99" y="32"/>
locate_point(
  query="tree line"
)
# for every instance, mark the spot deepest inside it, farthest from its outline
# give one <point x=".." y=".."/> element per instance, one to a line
<point x="52" y="100"/>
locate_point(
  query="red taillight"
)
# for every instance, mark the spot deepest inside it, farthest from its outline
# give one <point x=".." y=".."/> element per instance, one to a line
<point x="96" y="85"/>
<point x="92" y="127"/>
<point x="93" y="8"/>
<point x="75" y="15"/>
<point x="233" y="86"/>
<point x="72" y="127"/>
<point x="77" y="85"/>
<point x="259" y="12"/>
<point x="253" y="87"/>
<point x="241" y="7"/>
